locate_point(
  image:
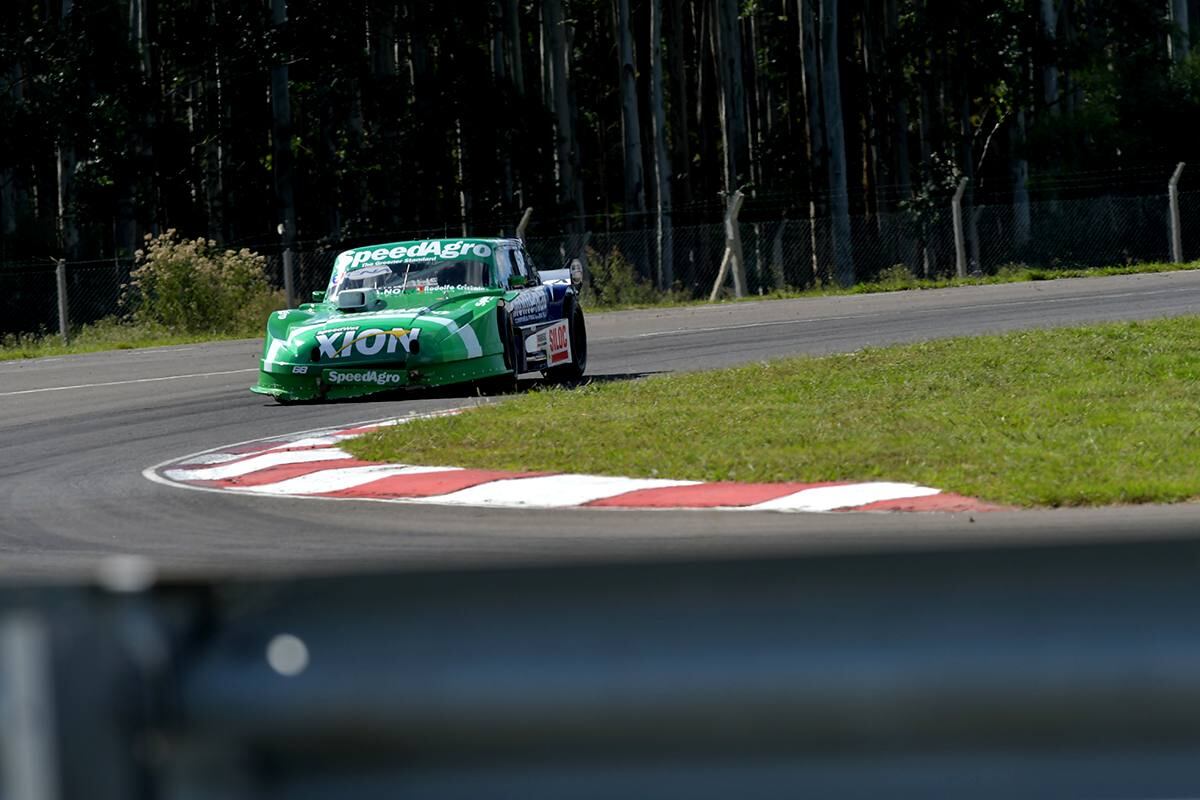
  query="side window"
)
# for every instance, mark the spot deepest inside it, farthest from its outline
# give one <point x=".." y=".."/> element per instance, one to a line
<point x="518" y="262"/>
<point x="527" y="267"/>
<point x="504" y="267"/>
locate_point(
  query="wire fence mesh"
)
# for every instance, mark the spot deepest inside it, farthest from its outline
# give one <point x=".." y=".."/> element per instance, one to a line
<point x="632" y="265"/>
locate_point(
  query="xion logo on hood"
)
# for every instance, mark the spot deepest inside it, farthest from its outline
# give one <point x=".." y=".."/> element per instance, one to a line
<point x="370" y="342"/>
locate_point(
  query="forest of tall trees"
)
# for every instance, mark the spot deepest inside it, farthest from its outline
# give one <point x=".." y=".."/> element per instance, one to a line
<point x="348" y="119"/>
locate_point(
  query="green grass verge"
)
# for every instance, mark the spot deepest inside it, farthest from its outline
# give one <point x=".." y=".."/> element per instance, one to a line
<point x="107" y="335"/>
<point x="1085" y="416"/>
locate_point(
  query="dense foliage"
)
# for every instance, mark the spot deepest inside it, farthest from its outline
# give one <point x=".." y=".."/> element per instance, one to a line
<point x="193" y="286"/>
<point x="125" y="117"/>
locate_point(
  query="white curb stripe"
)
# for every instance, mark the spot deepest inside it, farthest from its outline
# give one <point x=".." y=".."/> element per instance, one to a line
<point x="208" y="459"/>
<point x="829" y="498"/>
<point x="547" y="491"/>
<point x="255" y="463"/>
<point x="333" y="480"/>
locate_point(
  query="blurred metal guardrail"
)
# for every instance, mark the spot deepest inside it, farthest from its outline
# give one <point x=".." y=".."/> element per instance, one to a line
<point x="1067" y="671"/>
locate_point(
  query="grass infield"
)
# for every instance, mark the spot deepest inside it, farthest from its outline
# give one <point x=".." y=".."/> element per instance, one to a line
<point x="1082" y="416"/>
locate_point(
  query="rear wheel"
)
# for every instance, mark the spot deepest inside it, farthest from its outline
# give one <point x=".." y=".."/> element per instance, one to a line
<point x="577" y="331"/>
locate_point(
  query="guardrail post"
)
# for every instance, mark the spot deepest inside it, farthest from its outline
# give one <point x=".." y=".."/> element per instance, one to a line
<point x="960" y="245"/>
<point x="1176" y="235"/>
<point x="733" y="251"/>
<point x="64" y="318"/>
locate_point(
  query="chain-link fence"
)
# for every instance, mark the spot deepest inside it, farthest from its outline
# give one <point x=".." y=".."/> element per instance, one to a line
<point x="30" y="295"/>
<point x="782" y="254"/>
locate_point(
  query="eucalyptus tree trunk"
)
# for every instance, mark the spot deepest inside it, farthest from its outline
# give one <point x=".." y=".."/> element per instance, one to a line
<point x="496" y="23"/>
<point x="662" y="162"/>
<point x="1049" y="68"/>
<point x="814" y="122"/>
<point x="1020" y="182"/>
<point x="1180" y="41"/>
<point x="281" y="134"/>
<point x="967" y="157"/>
<point x="839" y="200"/>
<point x="429" y="166"/>
<point x="140" y="163"/>
<point x="502" y="80"/>
<point x="545" y="59"/>
<point x="635" y="181"/>
<point x="512" y="32"/>
<point x="733" y="95"/>
<point x="12" y="199"/>
<point x="212" y="147"/>
<point x="68" y="225"/>
<point x="757" y="112"/>
<point x="383" y="39"/>
<point x="811" y="85"/>
<point x="680" y="147"/>
<point x="386" y="114"/>
<point x="558" y="61"/>
<point x="707" y="105"/>
<point x="901" y="170"/>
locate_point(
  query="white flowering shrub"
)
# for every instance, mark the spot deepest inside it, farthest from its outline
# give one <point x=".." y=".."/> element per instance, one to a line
<point x="193" y="286"/>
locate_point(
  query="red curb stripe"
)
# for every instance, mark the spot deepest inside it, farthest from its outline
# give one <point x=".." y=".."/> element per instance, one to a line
<point x="284" y="472"/>
<point x="705" y="495"/>
<point x="428" y="484"/>
<point x="935" y="502"/>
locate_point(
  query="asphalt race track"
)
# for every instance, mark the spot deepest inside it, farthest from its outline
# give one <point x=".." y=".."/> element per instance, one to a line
<point x="77" y="431"/>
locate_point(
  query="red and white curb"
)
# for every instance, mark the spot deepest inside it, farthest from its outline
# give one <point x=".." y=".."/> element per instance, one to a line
<point x="310" y="464"/>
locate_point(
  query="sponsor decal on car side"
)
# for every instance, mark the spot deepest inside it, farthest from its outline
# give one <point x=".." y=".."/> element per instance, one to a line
<point x="373" y="377"/>
<point x="559" y="349"/>
<point x="530" y="306"/>
<point x="554" y="342"/>
<point x="370" y="342"/>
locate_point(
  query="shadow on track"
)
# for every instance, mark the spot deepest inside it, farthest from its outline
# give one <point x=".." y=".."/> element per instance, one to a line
<point x="468" y="391"/>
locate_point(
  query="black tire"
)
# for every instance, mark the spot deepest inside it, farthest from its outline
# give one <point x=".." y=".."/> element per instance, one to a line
<point x="506" y="383"/>
<point x="577" y="330"/>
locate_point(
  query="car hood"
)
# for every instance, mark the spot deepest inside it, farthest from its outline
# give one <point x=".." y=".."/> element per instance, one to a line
<point x="323" y="333"/>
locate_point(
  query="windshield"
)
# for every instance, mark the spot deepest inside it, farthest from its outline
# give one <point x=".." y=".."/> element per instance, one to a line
<point x="412" y="275"/>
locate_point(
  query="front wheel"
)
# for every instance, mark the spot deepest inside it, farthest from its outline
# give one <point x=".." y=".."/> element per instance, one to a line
<point x="577" y="331"/>
<point x="507" y="382"/>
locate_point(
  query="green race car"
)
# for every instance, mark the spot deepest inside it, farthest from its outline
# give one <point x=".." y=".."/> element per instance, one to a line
<point x="424" y="314"/>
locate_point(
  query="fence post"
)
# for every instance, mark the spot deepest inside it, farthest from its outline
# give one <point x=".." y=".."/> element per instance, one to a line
<point x="733" y="251"/>
<point x="960" y="246"/>
<point x="1176" y="235"/>
<point x="289" y="267"/>
<point x="64" y="317"/>
<point x="524" y="223"/>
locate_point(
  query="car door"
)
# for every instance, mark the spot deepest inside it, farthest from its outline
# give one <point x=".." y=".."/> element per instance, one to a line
<point x="532" y="303"/>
